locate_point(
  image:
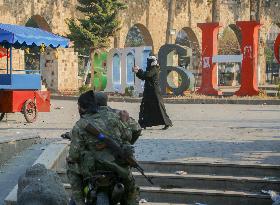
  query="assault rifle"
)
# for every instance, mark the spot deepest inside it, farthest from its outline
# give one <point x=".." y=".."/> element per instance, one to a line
<point x="118" y="152"/>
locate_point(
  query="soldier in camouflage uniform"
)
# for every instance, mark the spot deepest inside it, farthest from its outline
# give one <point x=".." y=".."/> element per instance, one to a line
<point x="132" y="124"/>
<point x="87" y="154"/>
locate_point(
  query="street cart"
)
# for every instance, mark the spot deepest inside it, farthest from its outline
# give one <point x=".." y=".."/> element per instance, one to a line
<point x="20" y="90"/>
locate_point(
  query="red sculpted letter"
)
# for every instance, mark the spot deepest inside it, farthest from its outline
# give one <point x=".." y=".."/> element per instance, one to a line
<point x="249" y="49"/>
<point x="209" y="49"/>
<point x="276" y="48"/>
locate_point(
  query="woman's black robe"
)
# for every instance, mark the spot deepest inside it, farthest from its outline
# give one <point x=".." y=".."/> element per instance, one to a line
<point x="152" y="109"/>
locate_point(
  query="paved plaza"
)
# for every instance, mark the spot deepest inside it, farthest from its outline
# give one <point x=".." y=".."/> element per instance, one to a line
<point x="245" y="134"/>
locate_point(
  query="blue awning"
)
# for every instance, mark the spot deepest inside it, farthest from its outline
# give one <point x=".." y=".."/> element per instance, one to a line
<point x="28" y="36"/>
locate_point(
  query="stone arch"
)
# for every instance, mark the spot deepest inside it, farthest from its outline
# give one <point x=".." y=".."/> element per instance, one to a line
<point x="171" y="56"/>
<point x="189" y="39"/>
<point x="186" y="37"/>
<point x="142" y="33"/>
<point x="272" y="34"/>
<point x="237" y="32"/>
<point x="272" y="67"/>
<point x="38" y="21"/>
<point x="33" y="57"/>
<point x="229" y="40"/>
<point x="229" y="43"/>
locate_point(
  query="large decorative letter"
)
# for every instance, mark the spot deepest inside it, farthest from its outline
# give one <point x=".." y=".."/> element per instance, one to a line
<point x="186" y="76"/>
<point x="209" y="84"/>
<point x="249" y="49"/>
<point x="276" y="48"/>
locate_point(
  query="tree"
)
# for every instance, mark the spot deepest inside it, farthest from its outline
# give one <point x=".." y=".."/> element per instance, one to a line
<point x="134" y="38"/>
<point x="255" y="10"/>
<point x="228" y="43"/>
<point x="215" y="10"/>
<point x="171" y="16"/>
<point x="100" y="22"/>
<point x="269" y="54"/>
<point x="92" y="32"/>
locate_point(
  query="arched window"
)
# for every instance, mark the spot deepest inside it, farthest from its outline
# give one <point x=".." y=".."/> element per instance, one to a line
<point x="116" y="72"/>
<point x="129" y="65"/>
<point x="146" y="54"/>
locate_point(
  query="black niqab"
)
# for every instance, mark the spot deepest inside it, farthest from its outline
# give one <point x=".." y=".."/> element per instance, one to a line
<point x="152" y="109"/>
<point x="149" y="64"/>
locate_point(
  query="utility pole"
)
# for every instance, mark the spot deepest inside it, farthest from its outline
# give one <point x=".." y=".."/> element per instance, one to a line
<point x="216" y="10"/>
<point x="255" y="10"/>
<point x="170" y="23"/>
<point x="255" y="15"/>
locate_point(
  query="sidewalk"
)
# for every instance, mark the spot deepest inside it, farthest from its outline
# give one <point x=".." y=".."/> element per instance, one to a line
<point x="186" y="100"/>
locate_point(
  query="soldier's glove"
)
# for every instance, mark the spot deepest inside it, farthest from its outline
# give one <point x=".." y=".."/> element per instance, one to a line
<point x="66" y="135"/>
<point x="135" y="135"/>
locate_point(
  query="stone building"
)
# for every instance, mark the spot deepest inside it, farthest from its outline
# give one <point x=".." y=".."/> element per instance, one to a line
<point x="159" y="21"/>
<point x="60" y="66"/>
<point x="60" y="70"/>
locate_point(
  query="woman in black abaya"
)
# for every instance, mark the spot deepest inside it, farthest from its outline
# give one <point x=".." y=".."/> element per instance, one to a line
<point x="152" y="109"/>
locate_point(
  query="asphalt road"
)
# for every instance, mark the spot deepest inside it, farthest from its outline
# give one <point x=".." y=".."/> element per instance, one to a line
<point x="246" y="134"/>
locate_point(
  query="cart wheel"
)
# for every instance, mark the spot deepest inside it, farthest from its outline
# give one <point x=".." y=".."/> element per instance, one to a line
<point x="2" y="115"/>
<point x="30" y="111"/>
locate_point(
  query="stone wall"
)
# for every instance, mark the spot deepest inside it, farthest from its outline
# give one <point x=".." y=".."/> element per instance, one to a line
<point x="60" y="70"/>
<point x="67" y="70"/>
<point x="49" y="65"/>
<point x="61" y="74"/>
<point x="52" y="11"/>
<point x="151" y="16"/>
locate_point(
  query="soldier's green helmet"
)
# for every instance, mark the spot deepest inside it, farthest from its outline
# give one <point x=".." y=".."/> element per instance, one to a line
<point x="101" y="98"/>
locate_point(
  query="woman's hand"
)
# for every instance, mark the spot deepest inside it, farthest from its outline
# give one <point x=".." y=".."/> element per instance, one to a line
<point x="135" y="69"/>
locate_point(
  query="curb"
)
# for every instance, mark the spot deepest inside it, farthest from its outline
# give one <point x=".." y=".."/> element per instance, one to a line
<point x="11" y="146"/>
<point x="185" y="101"/>
<point x="51" y="158"/>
